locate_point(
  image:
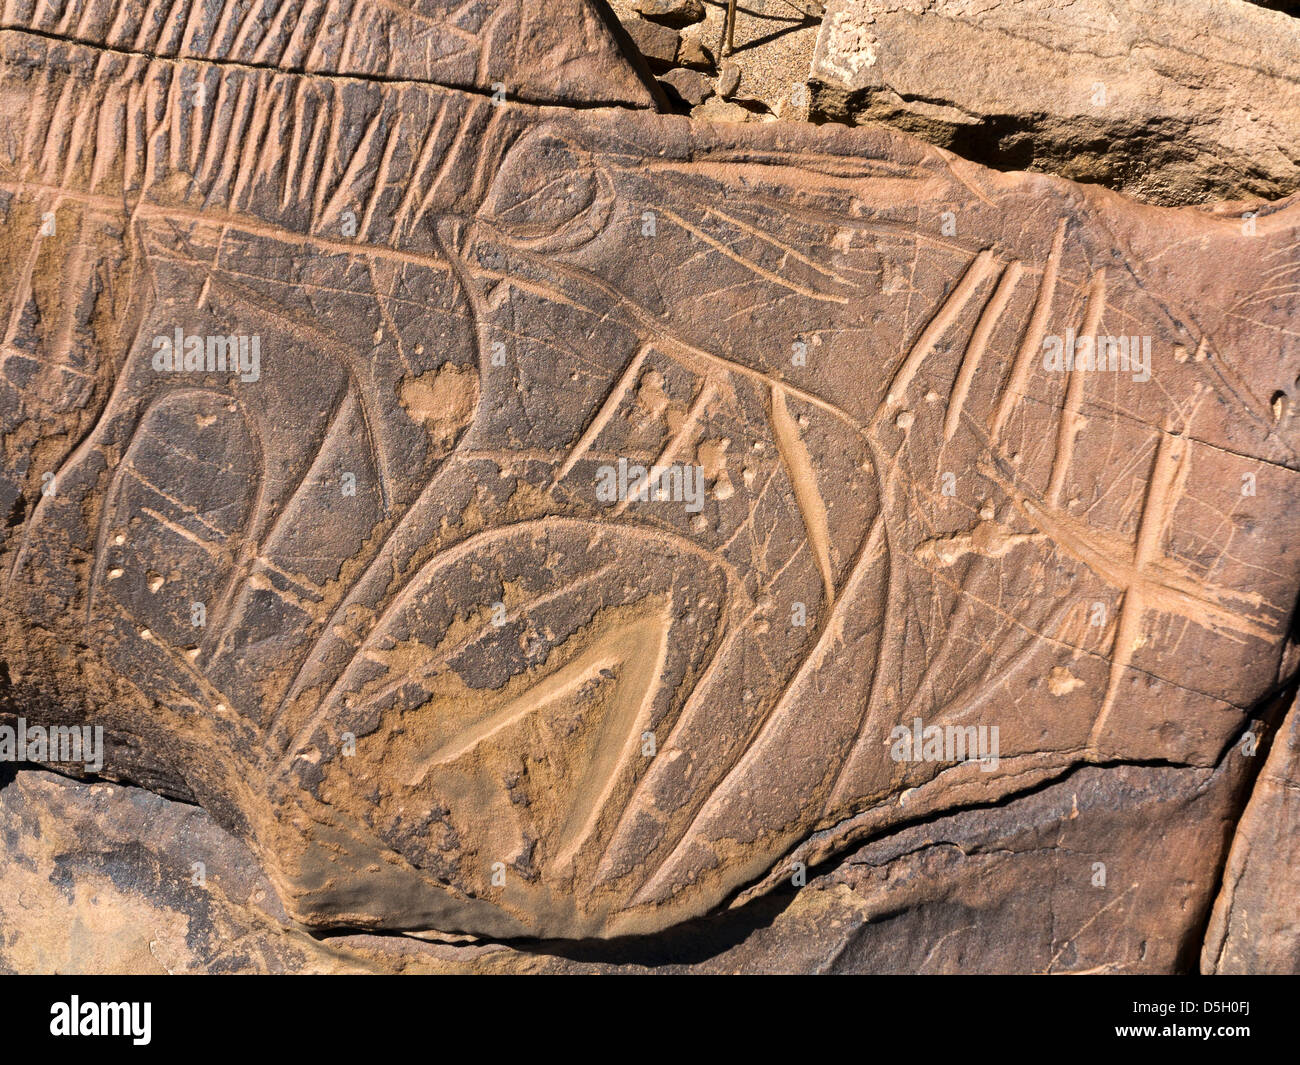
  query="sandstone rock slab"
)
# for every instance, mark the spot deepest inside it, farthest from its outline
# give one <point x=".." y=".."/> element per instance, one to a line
<point x="1109" y="870"/>
<point x="1256" y="922"/>
<point x="528" y="49"/>
<point x="1172" y="102"/>
<point x="380" y="600"/>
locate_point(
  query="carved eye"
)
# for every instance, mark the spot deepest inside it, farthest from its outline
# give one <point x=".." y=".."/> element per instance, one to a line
<point x="549" y="195"/>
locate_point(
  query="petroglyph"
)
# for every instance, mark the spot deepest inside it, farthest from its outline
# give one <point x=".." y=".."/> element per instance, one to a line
<point x="437" y="682"/>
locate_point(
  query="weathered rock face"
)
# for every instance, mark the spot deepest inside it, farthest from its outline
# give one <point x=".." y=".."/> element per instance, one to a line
<point x="100" y="878"/>
<point x="1108" y="870"/>
<point x="1173" y="102"/>
<point x="321" y="399"/>
<point x="1256" y="922"/>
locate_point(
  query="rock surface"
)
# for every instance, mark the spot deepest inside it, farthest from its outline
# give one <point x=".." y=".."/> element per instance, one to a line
<point x="657" y="44"/>
<point x="1256" y="923"/>
<point x="690" y="86"/>
<point x="1172" y="101"/>
<point x="373" y="591"/>
<point x="671" y="12"/>
<point x="1106" y="871"/>
<point x="572" y="58"/>
<point x="774" y="42"/>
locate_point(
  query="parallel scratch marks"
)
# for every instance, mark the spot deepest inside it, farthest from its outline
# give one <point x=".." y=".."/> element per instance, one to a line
<point x="1033" y="340"/>
<point x="188" y="34"/>
<point x="221" y="30"/>
<point x="678" y="439"/>
<point x="174" y="112"/>
<point x="156" y="132"/>
<point x="241" y="117"/>
<point x="452" y="157"/>
<point x="784" y="248"/>
<point x="102" y="154"/>
<point x="262" y="53"/>
<point x="978" y="344"/>
<point x="328" y="156"/>
<point x="400" y="225"/>
<point x="262" y="111"/>
<point x="300" y="32"/>
<point x="359" y="159"/>
<point x="310" y="63"/>
<point x="381" y="178"/>
<point x="267" y="159"/>
<point x="134" y="153"/>
<point x="196" y="125"/>
<point x="34" y="124"/>
<point x="983" y="265"/>
<point x="245" y="29"/>
<point x="295" y="159"/>
<point x="55" y="132"/>
<point x="213" y="550"/>
<point x="75" y="144"/>
<point x="140" y="42"/>
<point x="215" y="136"/>
<point x="749" y="264"/>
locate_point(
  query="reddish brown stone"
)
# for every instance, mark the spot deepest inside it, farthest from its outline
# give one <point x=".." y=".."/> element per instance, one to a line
<point x="526" y="48"/>
<point x="1256" y="923"/>
<point x="657" y="44"/>
<point x="1109" y="870"/>
<point x="692" y="87"/>
<point x="439" y="681"/>
<point x="671" y="12"/>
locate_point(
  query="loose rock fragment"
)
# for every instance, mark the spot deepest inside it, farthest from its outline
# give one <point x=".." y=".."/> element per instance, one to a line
<point x="658" y="44"/>
<point x="671" y="12"/>
<point x="690" y="85"/>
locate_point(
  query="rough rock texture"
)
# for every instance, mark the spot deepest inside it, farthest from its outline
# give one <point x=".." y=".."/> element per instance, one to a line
<point x="767" y="72"/>
<point x="1171" y="101"/>
<point x="671" y="12"/>
<point x="1256" y="924"/>
<point x="99" y="878"/>
<point x="366" y="600"/>
<point x="1106" y="871"/>
<point x="691" y="87"/>
<point x="657" y="44"/>
<point x="521" y="47"/>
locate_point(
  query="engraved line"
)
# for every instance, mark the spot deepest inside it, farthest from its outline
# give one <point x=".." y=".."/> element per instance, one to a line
<point x="1071" y="420"/>
<point x="978" y="343"/>
<point x="607" y="410"/>
<point x="982" y="266"/>
<point x="807" y="493"/>
<point x="1033" y="339"/>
